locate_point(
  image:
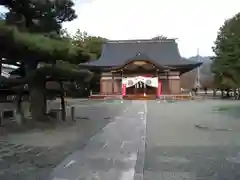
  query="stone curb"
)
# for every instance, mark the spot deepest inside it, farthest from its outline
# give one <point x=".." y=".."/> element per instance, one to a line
<point x="201" y="126"/>
<point x="138" y="175"/>
<point x="140" y="161"/>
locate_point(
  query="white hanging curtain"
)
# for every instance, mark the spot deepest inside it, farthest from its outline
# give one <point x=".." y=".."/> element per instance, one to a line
<point x="137" y="85"/>
<point x="140" y="81"/>
<point x="129" y="82"/>
<point x="151" y="81"/>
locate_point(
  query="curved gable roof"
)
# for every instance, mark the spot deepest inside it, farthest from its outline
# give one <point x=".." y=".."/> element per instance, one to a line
<point x="162" y="52"/>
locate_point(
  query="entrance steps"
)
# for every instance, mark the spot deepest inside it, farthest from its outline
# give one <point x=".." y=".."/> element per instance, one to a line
<point x="140" y="97"/>
<point x="167" y="97"/>
<point x="176" y="97"/>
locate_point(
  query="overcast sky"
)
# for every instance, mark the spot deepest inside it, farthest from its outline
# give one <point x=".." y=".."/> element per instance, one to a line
<point x="195" y="23"/>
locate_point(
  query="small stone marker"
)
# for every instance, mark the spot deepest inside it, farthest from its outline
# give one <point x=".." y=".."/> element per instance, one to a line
<point x="73" y="113"/>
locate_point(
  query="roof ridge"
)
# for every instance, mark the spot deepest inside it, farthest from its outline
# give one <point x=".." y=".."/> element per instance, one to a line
<point x="142" y="40"/>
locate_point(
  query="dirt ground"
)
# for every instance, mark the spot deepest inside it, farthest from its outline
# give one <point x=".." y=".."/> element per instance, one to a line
<point x="32" y="154"/>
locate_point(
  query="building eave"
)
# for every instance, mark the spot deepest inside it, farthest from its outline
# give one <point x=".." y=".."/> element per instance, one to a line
<point x="187" y="67"/>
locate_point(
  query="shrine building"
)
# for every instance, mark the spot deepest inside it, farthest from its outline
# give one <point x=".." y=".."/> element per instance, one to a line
<point x="140" y="68"/>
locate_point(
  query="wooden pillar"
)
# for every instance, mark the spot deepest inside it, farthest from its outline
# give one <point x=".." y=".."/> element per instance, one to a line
<point x="135" y="89"/>
<point x="121" y="84"/>
<point x="112" y="83"/>
<point x="168" y="88"/>
<point x="166" y="73"/>
<point x="158" y="81"/>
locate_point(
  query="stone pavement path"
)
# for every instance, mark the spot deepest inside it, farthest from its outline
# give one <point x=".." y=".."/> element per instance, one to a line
<point x="34" y="154"/>
<point x="112" y="154"/>
<point x="177" y="150"/>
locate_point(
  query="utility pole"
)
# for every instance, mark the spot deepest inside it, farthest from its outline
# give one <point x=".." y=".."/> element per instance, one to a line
<point x="197" y="79"/>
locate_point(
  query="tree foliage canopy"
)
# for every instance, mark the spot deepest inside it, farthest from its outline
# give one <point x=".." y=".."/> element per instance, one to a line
<point x="161" y="37"/>
<point x="92" y="44"/>
<point x="31" y="32"/>
<point x="42" y="16"/>
<point x="23" y="46"/>
<point x="226" y="62"/>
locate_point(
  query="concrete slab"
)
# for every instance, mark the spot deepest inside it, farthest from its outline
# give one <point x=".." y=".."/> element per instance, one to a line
<point x="111" y="154"/>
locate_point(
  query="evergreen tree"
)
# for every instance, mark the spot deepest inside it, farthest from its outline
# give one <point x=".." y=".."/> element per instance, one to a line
<point x="226" y="62"/>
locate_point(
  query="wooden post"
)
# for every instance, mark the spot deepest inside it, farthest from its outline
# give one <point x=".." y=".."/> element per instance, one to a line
<point x="73" y="113"/>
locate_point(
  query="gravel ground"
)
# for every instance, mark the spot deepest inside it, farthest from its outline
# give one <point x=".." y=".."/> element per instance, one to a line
<point x="32" y="155"/>
<point x="177" y="150"/>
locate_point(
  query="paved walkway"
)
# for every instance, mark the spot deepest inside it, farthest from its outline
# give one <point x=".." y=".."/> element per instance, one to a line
<point x="113" y="153"/>
<point x="177" y="150"/>
<point x="158" y="141"/>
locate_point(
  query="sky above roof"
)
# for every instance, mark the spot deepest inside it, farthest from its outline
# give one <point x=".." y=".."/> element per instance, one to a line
<point x="194" y="23"/>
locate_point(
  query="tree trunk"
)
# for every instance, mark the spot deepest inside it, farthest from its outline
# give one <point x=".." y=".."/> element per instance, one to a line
<point x="228" y="93"/>
<point x="19" y="113"/>
<point x="235" y="93"/>
<point x="37" y="99"/>
<point x="214" y="93"/>
<point x="205" y="91"/>
<point x="62" y="101"/>
<point x="222" y="93"/>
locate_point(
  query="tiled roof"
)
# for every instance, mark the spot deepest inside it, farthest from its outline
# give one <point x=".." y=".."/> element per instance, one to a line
<point x="161" y="52"/>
